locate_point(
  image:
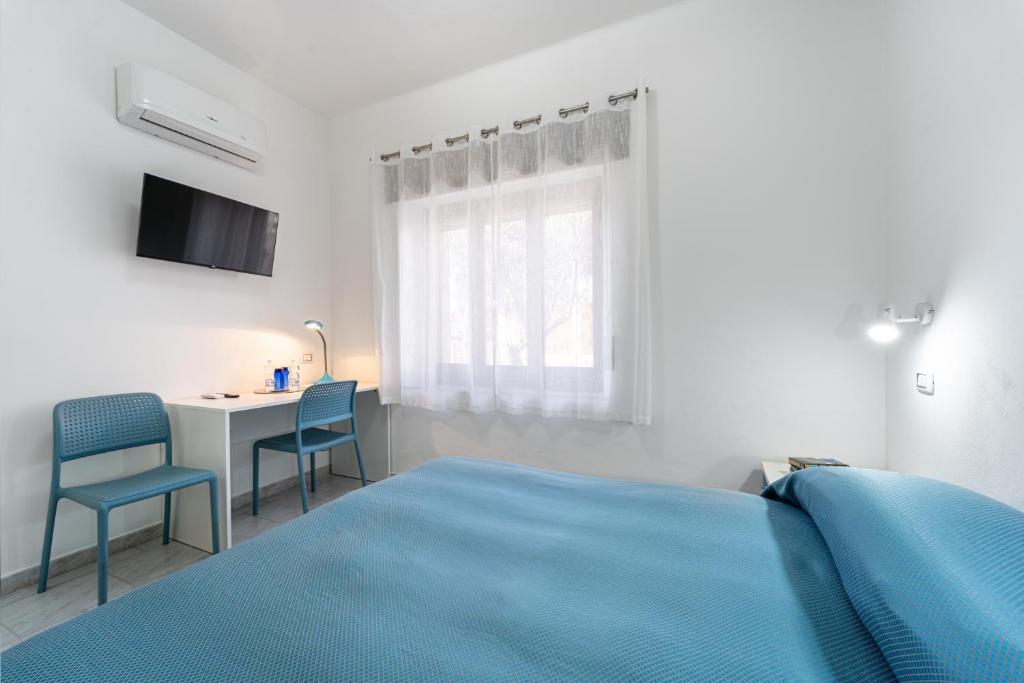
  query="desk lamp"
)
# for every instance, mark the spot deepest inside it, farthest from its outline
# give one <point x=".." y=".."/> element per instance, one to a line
<point x="317" y="326"/>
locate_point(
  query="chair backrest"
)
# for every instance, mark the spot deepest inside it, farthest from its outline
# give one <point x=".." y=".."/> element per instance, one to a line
<point x="100" y="424"/>
<point x="322" y="404"/>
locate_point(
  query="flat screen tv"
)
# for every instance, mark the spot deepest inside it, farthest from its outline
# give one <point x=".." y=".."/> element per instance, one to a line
<point x="183" y="224"/>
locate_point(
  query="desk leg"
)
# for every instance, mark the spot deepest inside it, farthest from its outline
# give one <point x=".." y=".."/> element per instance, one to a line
<point x="391" y="470"/>
<point x="201" y="438"/>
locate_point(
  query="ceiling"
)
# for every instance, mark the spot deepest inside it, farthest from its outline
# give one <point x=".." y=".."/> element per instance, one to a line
<point x="338" y="55"/>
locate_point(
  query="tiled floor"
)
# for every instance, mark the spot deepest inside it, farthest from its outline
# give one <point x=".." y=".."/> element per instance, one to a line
<point x="23" y="612"/>
<point x="286" y="505"/>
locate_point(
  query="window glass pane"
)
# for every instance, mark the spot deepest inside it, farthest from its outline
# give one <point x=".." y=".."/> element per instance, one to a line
<point x="569" y="289"/>
<point x="510" y="294"/>
<point x="488" y="307"/>
<point x="454" y="253"/>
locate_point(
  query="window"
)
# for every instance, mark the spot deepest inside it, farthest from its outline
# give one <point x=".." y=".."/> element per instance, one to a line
<point x="509" y="271"/>
<point x="557" y="303"/>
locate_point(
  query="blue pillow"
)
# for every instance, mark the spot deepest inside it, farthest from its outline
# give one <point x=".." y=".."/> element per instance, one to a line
<point x="936" y="572"/>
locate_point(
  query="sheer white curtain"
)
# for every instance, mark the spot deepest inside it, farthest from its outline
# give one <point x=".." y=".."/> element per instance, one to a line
<point x="512" y="272"/>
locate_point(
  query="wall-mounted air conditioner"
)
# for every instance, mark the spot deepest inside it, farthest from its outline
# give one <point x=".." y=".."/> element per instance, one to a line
<point x="164" y="106"/>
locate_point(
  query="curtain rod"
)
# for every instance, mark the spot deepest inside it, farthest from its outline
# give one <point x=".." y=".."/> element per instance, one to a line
<point x="517" y="124"/>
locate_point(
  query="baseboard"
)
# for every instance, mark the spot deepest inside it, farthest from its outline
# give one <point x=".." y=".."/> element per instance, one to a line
<point x="79" y="558"/>
<point x="245" y="499"/>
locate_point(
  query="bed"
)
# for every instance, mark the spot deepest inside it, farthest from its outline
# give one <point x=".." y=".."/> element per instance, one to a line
<point x="478" y="570"/>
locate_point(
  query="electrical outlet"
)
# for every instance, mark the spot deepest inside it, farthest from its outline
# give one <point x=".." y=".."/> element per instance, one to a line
<point x="307" y="358"/>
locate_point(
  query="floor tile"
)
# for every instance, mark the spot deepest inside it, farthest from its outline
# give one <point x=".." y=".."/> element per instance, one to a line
<point x="281" y="507"/>
<point x="331" y="489"/>
<point x="30" y="612"/>
<point x="51" y="583"/>
<point x="287" y="504"/>
<point x="339" y="484"/>
<point x="244" y="526"/>
<point x="153" y="560"/>
<point x="7" y="638"/>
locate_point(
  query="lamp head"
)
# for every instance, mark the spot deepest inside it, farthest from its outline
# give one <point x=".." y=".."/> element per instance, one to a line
<point x="314" y="325"/>
<point x="885" y="329"/>
<point x="883" y="332"/>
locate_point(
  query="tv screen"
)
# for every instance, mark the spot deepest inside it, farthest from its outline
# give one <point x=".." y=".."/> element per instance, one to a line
<point x="181" y="223"/>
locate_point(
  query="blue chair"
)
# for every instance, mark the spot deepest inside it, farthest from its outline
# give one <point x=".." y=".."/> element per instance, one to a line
<point x="90" y="426"/>
<point x="320" y="405"/>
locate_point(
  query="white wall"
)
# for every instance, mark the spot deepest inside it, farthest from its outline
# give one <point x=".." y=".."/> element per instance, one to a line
<point x="80" y="314"/>
<point x="956" y="237"/>
<point x="780" y="152"/>
<point x="767" y="174"/>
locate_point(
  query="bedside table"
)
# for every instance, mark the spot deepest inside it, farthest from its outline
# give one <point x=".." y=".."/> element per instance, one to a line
<point x="773" y="471"/>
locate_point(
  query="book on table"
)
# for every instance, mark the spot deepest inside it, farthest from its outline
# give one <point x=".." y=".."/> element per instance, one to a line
<point x="802" y="463"/>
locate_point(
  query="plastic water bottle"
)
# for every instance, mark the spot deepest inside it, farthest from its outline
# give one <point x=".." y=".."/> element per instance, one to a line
<point x="268" y="377"/>
<point x="293" y="376"/>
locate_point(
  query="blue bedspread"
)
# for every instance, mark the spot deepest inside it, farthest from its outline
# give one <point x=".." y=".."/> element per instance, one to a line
<point x="477" y="570"/>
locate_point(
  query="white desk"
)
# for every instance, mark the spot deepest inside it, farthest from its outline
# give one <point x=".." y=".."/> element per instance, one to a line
<point x="205" y="433"/>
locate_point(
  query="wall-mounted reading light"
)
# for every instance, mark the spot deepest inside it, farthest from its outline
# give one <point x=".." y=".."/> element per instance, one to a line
<point x="885" y="329"/>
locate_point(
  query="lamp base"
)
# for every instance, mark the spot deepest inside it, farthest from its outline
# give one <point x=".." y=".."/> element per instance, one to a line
<point x="325" y="379"/>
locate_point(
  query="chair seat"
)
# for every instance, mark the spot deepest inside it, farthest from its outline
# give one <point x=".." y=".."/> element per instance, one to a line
<point x="312" y="440"/>
<point x="163" y="479"/>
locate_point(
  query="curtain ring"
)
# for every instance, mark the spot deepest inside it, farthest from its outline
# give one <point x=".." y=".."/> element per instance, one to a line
<point x="458" y="138"/>
<point x="564" y="113"/>
<point x="522" y="122"/>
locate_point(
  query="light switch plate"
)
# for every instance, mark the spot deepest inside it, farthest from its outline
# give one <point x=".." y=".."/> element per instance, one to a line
<point x="926" y="383"/>
<point x="307" y="358"/>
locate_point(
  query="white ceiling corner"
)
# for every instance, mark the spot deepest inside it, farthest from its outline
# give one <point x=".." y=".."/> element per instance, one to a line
<point x="335" y="56"/>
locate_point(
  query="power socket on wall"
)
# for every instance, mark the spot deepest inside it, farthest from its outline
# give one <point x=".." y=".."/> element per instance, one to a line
<point x="307" y="358"/>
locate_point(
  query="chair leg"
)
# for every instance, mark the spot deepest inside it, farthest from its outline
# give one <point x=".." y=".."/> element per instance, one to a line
<point x="102" y="532"/>
<point x="44" y="565"/>
<point x="312" y="471"/>
<point x="214" y="517"/>
<point x="167" y="518"/>
<point x="359" y="460"/>
<point x="302" y="484"/>
<point x="255" y="480"/>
